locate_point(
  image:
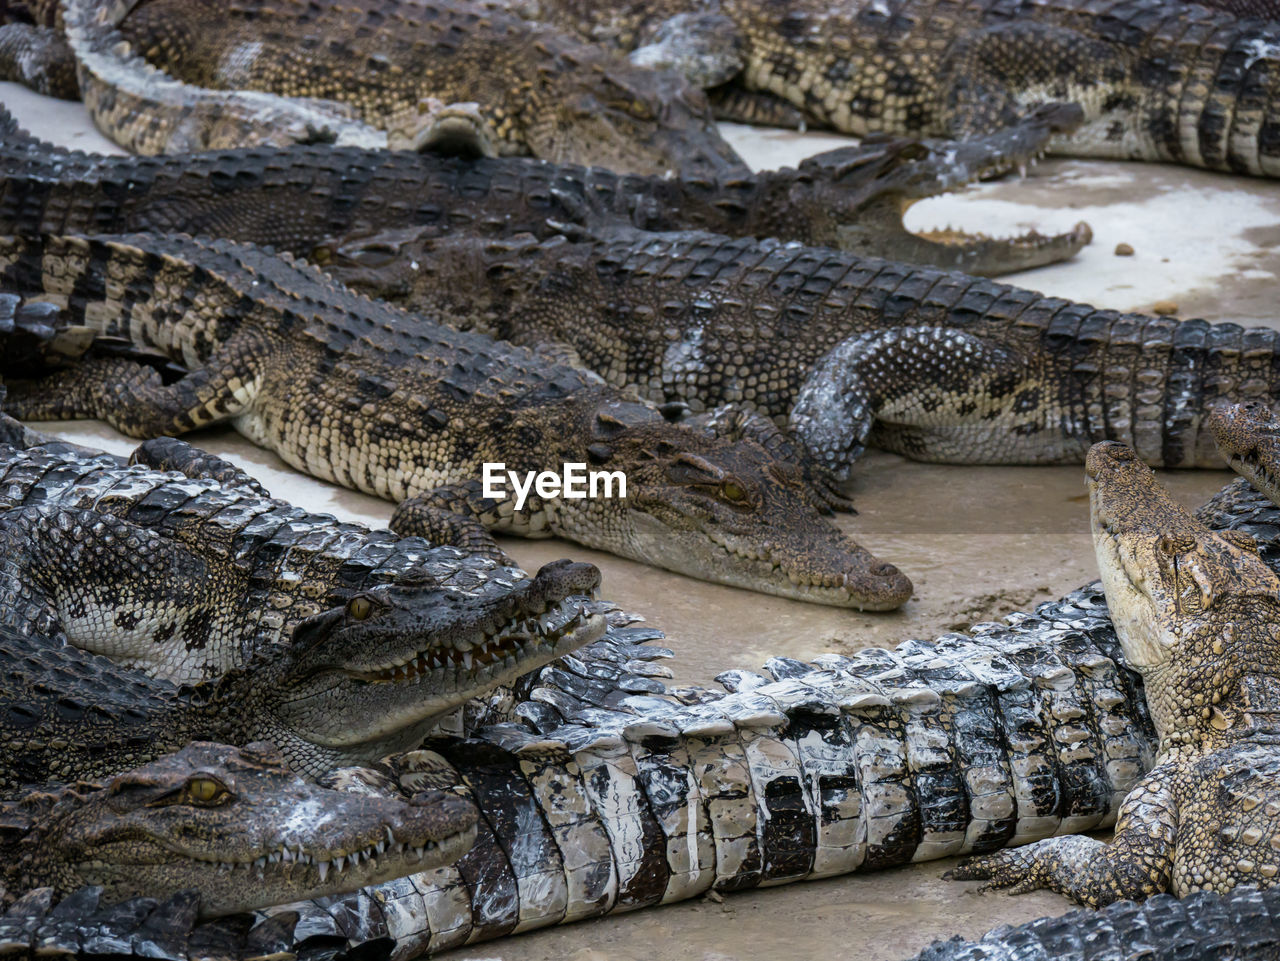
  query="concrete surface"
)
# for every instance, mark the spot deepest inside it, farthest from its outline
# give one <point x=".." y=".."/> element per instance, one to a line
<point x="978" y="542"/>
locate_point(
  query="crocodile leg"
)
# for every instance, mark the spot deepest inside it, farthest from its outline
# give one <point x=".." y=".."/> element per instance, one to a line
<point x="169" y="453"/>
<point x="39" y="58"/>
<point x="1135" y="865"/>
<point x="458" y="515"/>
<point x="133" y="399"/>
<point x="961" y="377"/>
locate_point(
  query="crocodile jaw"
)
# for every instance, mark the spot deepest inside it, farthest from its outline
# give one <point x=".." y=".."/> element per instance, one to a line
<point x="854" y="577"/>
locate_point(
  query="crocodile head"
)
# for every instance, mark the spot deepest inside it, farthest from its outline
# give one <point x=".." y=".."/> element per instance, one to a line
<point x="1248" y="436"/>
<point x="235" y="823"/>
<point x="628" y="119"/>
<point x="1196" y="610"/>
<point x="856" y="197"/>
<point x="368" y="677"/>
<point x="732" y="513"/>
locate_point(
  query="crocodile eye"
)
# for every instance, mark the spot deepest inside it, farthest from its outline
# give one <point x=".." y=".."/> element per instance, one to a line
<point x="375" y="256"/>
<point x="733" y="491"/>
<point x="321" y="255"/>
<point x="359" y="607"/>
<point x="1175" y="544"/>
<point x="205" y="791"/>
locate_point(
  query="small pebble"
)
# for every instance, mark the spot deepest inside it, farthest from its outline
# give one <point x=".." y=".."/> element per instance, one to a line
<point x="1124" y="250"/>
<point x="1163" y="307"/>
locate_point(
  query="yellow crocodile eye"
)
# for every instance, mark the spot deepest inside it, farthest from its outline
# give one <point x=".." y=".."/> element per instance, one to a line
<point x="733" y="492"/>
<point x="359" y="608"/>
<point x="206" y="790"/>
<point x="321" y="255"/>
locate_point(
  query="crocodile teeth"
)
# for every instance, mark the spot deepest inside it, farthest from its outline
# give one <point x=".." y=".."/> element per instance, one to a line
<point x="323" y="866"/>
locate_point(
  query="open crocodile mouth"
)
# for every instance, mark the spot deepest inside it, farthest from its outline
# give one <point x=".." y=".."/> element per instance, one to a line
<point x="1250" y="464"/>
<point x="567" y="621"/>
<point x="972" y="251"/>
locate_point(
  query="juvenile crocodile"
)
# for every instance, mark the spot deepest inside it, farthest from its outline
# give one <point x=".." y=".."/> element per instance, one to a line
<point x="188" y="575"/>
<point x="1157" y="80"/>
<point x="1163" y="928"/>
<point x="852" y="197"/>
<point x="235" y="823"/>
<point x="839" y="350"/>
<point x="357" y="392"/>
<point x="1195" y="612"/>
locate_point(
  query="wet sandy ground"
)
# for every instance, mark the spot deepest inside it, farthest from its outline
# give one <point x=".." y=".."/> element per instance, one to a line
<point x="977" y="541"/>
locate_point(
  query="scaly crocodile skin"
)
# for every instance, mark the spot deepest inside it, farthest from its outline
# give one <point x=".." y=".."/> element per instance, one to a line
<point x="1196" y="614"/>
<point x="357" y="392"/>
<point x="234" y="822"/>
<point x="840" y="350"/>
<point x="1158" y="80"/>
<point x="298" y="198"/>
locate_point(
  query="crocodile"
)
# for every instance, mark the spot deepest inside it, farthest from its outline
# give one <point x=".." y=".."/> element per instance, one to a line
<point x="839" y="350"/>
<point x="996" y="736"/>
<point x="854" y="196"/>
<point x="1158" y="81"/>
<point x="427" y="74"/>
<point x="357" y="392"/>
<point x="522" y="88"/>
<point x="1248" y="436"/>
<point x="1162" y="928"/>
<point x="999" y="735"/>
<point x="180" y="565"/>
<point x="1195" y="613"/>
<point x="328" y="698"/>
<point x="235" y="823"/>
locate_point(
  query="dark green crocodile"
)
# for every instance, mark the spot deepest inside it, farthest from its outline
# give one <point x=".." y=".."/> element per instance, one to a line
<point x="1196" y="614"/>
<point x="1158" y="80"/>
<point x="360" y="393"/>
<point x="331" y="697"/>
<point x="850" y="197"/>
<point x="839" y="350"/>
<point x="235" y="823"/>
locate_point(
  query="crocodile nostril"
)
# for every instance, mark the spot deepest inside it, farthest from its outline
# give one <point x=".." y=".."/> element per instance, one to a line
<point x="885" y="570"/>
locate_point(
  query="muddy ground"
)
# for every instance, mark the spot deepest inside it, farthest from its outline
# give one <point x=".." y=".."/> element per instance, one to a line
<point x="977" y="541"/>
